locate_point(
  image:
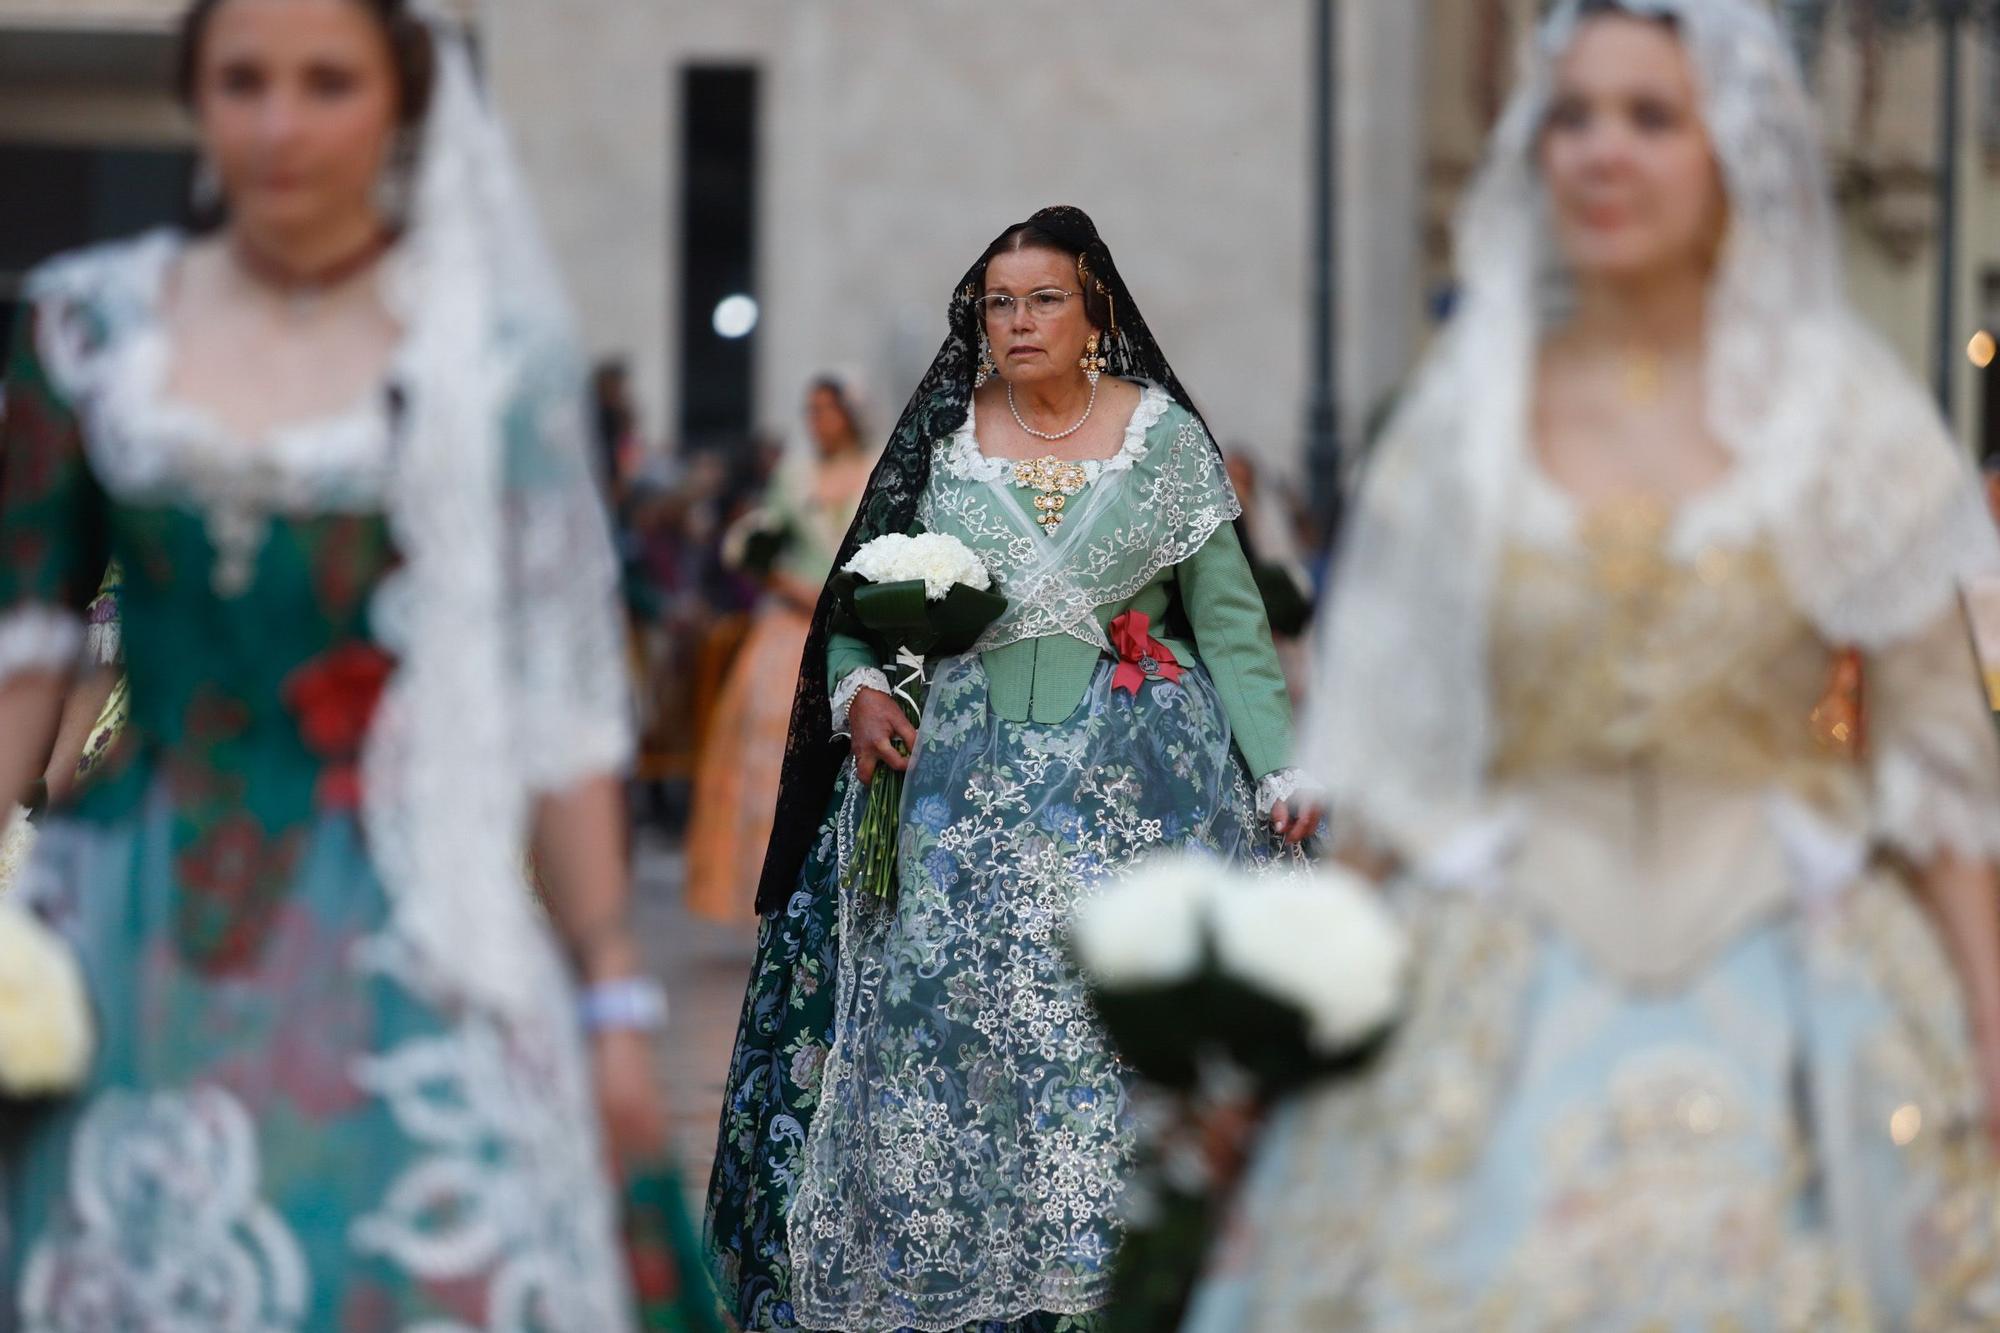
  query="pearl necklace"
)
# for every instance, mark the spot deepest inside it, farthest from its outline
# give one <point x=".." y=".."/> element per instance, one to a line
<point x="1021" y="421"/>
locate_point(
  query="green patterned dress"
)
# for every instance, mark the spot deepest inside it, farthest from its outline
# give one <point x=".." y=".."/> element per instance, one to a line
<point x="290" y="1125"/>
<point x="925" y="1126"/>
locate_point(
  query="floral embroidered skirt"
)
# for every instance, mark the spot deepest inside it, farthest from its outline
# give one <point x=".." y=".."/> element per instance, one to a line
<point x="1787" y="1141"/>
<point x="301" y="1141"/>
<point x="924" y="1126"/>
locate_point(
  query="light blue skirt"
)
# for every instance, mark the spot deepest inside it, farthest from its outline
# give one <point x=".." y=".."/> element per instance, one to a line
<point x="1787" y="1141"/>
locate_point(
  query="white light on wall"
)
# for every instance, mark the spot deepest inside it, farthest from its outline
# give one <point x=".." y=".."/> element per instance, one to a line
<point x="735" y="316"/>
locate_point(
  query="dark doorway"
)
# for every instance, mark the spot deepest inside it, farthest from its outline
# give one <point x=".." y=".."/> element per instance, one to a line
<point x="60" y="197"/>
<point x="718" y="308"/>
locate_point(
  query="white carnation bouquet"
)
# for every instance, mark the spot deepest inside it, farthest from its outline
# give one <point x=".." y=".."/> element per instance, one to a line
<point x="1284" y="974"/>
<point x="938" y="560"/>
<point x="1225" y="990"/>
<point x="46" y="1033"/>
<point x="916" y="597"/>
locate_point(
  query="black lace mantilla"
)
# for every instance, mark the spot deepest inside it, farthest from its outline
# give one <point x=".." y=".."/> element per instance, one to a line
<point x="812" y="755"/>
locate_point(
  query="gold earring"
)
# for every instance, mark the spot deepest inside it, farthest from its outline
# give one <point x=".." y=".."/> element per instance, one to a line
<point x="987" y="370"/>
<point x="1093" y="361"/>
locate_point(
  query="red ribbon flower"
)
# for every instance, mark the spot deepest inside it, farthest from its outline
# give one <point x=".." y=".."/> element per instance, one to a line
<point x="1141" y="657"/>
<point x="334" y="697"/>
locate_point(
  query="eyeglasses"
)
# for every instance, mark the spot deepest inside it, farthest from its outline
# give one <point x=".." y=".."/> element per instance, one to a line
<point x="999" y="308"/>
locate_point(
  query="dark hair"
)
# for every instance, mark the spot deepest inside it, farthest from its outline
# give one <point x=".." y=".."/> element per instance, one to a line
<point x="410" y="50"/>
<point x="1027" y="236"/>
<point x="833" y="384"/>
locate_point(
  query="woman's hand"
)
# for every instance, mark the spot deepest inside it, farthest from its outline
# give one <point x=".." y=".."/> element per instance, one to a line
<point x="877" y="725"/>
<point x="1296" y="820"/>
<point x="629" y="1100"/>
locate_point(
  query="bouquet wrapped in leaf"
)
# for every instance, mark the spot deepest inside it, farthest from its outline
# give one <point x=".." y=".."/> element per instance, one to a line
<point x="916" y="597"/>
<point x="1225" y="991"/>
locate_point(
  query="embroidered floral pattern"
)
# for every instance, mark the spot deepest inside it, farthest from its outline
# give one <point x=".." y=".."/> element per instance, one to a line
<point x="968" y="1154"/>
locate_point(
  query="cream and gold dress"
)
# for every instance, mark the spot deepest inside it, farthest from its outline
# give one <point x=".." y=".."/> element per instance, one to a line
<point x="1684" y="1051"/>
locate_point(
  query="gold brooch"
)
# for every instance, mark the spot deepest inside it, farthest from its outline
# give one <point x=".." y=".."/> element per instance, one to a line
<point x="1053" y="480"/>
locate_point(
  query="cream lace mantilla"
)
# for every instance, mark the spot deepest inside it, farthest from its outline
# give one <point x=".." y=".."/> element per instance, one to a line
<point x="1842" y="470"/>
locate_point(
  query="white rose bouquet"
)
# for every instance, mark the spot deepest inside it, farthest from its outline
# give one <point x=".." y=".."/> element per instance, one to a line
<point x="1225" y="990"/>
<point x="916" y="596"/>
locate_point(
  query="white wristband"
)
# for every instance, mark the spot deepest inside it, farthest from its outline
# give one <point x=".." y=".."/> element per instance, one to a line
<point x="628" y="1004"/>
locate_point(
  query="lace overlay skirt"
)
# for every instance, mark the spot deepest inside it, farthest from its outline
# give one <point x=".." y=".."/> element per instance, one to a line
<point x="967" y="1158"/>
<point x="1789" y="1141"/>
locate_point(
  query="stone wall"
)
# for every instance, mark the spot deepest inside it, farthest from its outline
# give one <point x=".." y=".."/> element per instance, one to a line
<point x="897" y="138"/>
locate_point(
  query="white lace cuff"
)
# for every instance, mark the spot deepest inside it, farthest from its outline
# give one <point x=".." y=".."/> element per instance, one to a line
<point x="862" y="678"/>
<point x="1282" y="785"/>
<point x="38" y="638"/>
<point x="587" y="749"/>
<point x="1924" y="815"/>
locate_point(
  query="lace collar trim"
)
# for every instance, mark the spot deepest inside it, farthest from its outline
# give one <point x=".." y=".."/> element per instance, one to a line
<point x="144" y="440"/>
<point x="961" y="456"/>
<point x="1726" y="514"/>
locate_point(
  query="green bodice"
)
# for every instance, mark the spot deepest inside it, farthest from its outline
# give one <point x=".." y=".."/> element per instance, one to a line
<point x="224" y="684"/>
<point x="1150" y="533"/>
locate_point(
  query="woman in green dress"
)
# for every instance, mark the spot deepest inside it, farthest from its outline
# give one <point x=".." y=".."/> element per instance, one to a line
<point x="342" y="1079"/>
<point x="924" y="1124"/>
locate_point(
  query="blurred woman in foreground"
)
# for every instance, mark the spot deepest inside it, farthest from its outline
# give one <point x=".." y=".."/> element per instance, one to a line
<point x="1647" y="675"/>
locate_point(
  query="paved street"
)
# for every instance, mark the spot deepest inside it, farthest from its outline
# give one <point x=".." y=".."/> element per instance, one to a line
<point x="705" y="967"/>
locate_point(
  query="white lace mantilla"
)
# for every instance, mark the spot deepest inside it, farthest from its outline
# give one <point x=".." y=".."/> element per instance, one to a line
<point x="1150" y="507"/>
<point x="167" y="1232"/>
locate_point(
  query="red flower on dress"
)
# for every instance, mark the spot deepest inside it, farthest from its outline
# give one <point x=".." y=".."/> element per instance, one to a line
<point x="334" y="697"/>
<point x="1141" y="657"/>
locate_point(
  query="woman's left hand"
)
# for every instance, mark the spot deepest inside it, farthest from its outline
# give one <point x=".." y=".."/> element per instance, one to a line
<point x="1296" y="821"/>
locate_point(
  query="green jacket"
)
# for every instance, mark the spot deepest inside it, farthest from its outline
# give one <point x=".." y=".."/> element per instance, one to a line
<point x="1207" y="609"/>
